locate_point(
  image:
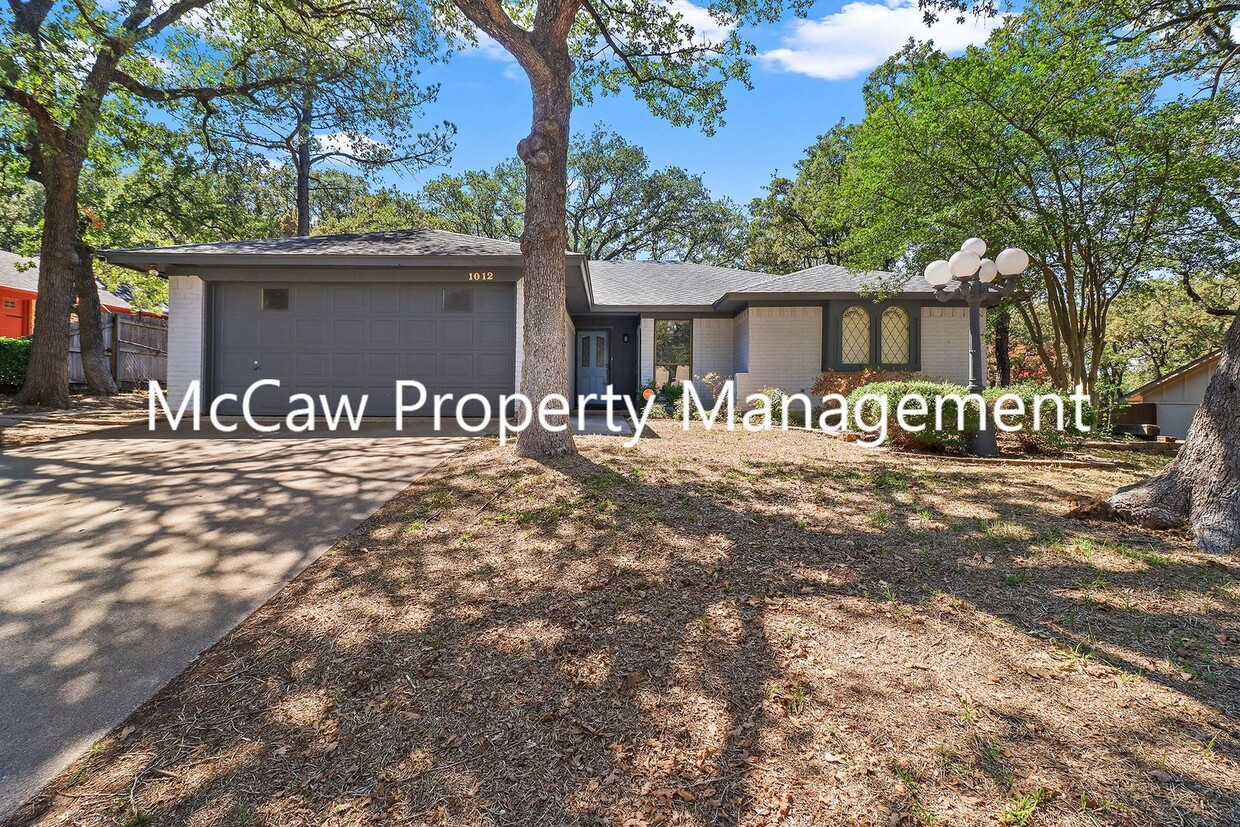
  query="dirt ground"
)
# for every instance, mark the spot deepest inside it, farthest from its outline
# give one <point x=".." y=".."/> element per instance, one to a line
<point x="708" y="629"/>
<point x="25" y="424"/>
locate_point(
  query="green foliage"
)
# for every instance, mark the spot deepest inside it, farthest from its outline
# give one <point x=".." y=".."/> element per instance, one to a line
<point x="949" y="438"/>
<point x="1051" y="137"/>
<point x="618" y="207"/>
<point x="1154" y="328"/>
<point x="354" y="95"/>
<point x="671" y="394"/>
<point x="14" y="357"/>
<point x="800" y="221"/>
<point x="1047" y="439"/>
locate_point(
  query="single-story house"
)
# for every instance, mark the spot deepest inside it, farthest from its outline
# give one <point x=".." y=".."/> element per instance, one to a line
<point x="19" y="287"/>
<point x="352" y="314"/>
<point x="1172" y="401"/>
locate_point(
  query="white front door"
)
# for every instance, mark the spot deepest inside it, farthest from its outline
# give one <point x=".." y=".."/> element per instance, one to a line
<point x="593" y="359"/>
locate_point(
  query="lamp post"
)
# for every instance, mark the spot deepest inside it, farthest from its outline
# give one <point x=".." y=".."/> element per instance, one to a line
<point x="969" y="276"/>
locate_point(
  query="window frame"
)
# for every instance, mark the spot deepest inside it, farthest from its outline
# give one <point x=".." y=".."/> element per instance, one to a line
<point x="288" y="299"/>
<point x="833" y="332"/>
<point x="655" y="348"/>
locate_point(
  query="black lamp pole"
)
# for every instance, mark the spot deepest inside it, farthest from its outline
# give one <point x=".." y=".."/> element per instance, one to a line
<point x="975" y="279"/>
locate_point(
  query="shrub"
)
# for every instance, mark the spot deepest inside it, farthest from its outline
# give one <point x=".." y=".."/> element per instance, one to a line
<point x="775" y="396"/>
<point x="845" y="382"/>
<point x="14" y="357"/>
<point x="948" y="438"/>
<point x="671" y="394"/>
<point x="1048" y="439"/>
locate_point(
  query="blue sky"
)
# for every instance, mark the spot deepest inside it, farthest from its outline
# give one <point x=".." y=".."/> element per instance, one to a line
<point x="808" y="75"/>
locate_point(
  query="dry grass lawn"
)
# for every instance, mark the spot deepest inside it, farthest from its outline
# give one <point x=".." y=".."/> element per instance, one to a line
<point x="709" y="629"/>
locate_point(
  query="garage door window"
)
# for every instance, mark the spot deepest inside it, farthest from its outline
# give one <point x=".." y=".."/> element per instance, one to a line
<point x="275" y="298"/>
<point x="458" y="301"/>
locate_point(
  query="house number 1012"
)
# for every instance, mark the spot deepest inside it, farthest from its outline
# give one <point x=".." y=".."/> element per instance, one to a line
<point x="482" y="277"/>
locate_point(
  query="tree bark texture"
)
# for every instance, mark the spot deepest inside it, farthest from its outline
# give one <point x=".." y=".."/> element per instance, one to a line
<point x="95" y="363"/>
<point x="47" y="377"/>
<point x="1003" y="347"/>
<point x="545" y="154"/>
<point x="1201" y="486"/>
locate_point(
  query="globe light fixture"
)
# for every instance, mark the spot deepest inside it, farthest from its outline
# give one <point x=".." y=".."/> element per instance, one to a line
<point x="975" y="245"/>
<point x="964" y="264"/>
<point x="1012" y="261"/>
<point x="978" y="279"/>
<point x="938" y="273"/>
<point x="987" y="271"/>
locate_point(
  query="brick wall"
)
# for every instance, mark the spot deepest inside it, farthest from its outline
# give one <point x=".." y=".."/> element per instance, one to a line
<point x="186" y="322"/>
<point x="945" y="343"/>
<point x="645" y="351"/>
<point x="785" y="350"/>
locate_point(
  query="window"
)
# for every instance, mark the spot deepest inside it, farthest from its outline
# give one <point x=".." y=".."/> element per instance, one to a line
<point x="275" y="298"/>
<point x="10" y="304"/>
<point x="584" y="343"/>
<point x="458" y="301"/>
<point x="855" y="336"/>
<point x="893" y="334"/>
<point x="673" y="350"/>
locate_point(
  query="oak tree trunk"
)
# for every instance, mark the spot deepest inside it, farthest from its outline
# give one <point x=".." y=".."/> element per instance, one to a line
<point x="95" y="363"/>
<point x="302" y="160"/>
<point x="47" y="377"/>
<point x="1201" y="487"/>
<point x="543" y="244"/>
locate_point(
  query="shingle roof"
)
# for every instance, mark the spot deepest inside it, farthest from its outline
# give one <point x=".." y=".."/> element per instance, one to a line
<point x="19" y="272"/>
<point x="666" y="283"/>
<point x="414" y="242"/>
<point x="832" y="278"/>
<point x="22" y="273"/>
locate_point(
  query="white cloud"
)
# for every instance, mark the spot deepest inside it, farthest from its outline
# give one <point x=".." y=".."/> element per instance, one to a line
<point x="704" y="26"/>
<point x="860" y="36"/>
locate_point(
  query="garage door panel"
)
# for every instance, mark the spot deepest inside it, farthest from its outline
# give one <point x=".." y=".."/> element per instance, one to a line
<point x="383" y="299"/>
<point x="493" y="334"/>
<point x="276" y="333"/>
<point x="419" y="298"/>
<point x="385" y="334"/>
<point x="456" y="334"/>
<point x="348" y="333"/>
<point x="498" y="302"/>
<point x="350" y="299"/>
<point x="354" y="339"/>
<point x="308" y="302"/>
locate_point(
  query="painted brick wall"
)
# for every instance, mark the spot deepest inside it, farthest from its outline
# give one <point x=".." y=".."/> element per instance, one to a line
<point x="186" y="324"/>
<point x="645" y="351"/>
<point x="945" y="343"/>
<point x="740" y="342"/>
<point x="785" y="350"/>
<point x="521" y="331"/>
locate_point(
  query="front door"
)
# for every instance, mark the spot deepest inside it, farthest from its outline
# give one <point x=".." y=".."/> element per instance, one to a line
<point x="593" y="361"/>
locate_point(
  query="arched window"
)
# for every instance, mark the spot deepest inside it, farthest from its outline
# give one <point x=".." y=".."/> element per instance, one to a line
<point x="894" y="336"/>
<point x="855" y="336"/>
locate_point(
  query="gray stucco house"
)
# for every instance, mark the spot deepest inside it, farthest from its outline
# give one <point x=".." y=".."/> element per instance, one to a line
<point x="351" y="314"/>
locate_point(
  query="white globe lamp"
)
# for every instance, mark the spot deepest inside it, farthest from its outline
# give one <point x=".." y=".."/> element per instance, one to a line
<point x="964" y="264"/>
<point x="987" y="271"/>
<point x="938" y="273"/>
<point x="1012" y="261"/>
<point x="975" y="245"/>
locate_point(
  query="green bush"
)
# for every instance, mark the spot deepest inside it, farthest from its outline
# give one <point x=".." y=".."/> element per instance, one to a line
<point x="949" y="438"/>
<point x="671" y="394"/>
<point x="1047" y="439"/>
<point x="14" y="357"/>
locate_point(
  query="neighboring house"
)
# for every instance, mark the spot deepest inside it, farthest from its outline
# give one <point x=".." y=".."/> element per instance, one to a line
<point x="19" y="287"/>
<point x="1172" y="402"/>
<point x="352" y="314"/>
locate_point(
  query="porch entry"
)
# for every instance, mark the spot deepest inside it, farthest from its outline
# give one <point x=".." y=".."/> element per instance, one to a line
<point x="593" y="361"/>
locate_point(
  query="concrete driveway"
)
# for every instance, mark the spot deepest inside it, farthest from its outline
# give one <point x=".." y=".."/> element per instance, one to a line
<point x="124" y="554"/>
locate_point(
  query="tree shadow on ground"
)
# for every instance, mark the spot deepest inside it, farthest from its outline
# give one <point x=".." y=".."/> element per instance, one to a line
<point x="703" y="634"/>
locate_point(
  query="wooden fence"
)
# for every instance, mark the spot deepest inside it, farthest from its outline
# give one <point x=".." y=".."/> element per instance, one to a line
<point x="140" y="351"/>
